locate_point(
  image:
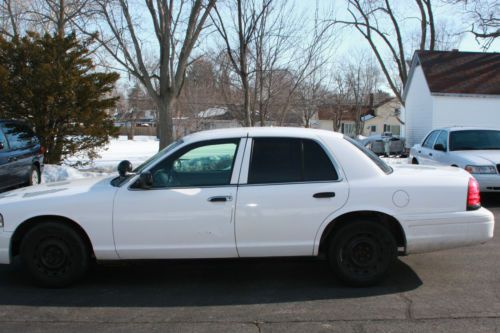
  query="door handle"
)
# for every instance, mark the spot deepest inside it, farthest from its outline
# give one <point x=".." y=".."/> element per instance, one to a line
<point x="324" y="195"/>
<point x="220" y="198"/>
<point x="430" y="154"/>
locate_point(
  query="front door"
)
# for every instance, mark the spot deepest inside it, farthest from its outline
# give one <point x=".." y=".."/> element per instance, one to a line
<point x="291" y="188"/>
<point x="188" y="212"/>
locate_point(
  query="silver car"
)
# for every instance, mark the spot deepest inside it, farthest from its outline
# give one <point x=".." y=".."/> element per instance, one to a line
<point x="476" y="150"/>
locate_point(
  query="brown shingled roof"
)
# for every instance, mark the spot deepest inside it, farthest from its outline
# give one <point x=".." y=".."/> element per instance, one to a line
<point x="454" y="72"/>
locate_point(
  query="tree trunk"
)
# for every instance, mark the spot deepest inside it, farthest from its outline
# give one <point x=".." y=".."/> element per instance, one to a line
<point x="165" y="124"/>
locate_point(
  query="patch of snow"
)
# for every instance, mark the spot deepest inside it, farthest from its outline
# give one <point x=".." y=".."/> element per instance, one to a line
<point x="396" y="160"/>
<point x="57" y="173"/>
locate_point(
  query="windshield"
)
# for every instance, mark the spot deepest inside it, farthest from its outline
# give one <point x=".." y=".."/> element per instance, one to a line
<point x="158" y="156"/>
<point x="474" y="140"/>
<point x="377" y="160"/>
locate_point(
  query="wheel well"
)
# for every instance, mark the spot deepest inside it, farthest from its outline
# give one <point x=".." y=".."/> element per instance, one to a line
<point x="454" y="165"/>
<point x="29" y="224"/>
<point x="387" y="220"/>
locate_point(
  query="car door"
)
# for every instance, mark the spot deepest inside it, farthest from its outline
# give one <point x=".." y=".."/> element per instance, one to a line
<point x="188" y="211"/>
<point x="425" y="153"/>
<point x="289" y="187"/>
<point x="437" y="156"/>
<point x="6" y="179"/>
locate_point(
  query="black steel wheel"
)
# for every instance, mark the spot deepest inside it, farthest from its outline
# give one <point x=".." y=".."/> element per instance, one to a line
<point x="361" y="252"/>
<point x="54" y="254"/>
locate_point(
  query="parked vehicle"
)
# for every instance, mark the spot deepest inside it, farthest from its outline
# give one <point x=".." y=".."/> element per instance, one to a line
<point x="476" y="150"/>
<point x="246" y="192"/>
<point x="376" y="143"/>
<point x="21" y="155"/>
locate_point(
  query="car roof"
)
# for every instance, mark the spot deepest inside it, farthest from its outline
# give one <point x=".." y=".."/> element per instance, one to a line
<point x="467" y="128"/>
<point x="241" y="132"/>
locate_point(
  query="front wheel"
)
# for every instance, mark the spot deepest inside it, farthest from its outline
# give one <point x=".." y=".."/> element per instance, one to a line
<point x="361" y="253"/>
<point x="35" y="176"/>
<point x="54" y="254"/>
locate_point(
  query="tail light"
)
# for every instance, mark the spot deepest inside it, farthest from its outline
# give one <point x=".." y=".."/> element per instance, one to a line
<point x="473" y="196"/>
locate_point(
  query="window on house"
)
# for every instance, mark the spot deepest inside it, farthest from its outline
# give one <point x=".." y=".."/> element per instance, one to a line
<point x="394" y="129"/>
<point x="348" y="129"/>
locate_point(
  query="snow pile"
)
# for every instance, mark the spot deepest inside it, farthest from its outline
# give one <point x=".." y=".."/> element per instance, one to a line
<point x="119" y="149"/>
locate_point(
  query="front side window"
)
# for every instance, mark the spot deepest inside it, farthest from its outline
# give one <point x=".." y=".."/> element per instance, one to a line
<point x="442" y="139"/>
<point x="206" y="164"/>
<point x="288" y="160"/>
<point x="475" y="140"/>
<point x="429" y="141"/>
<point x="19" y="136"/>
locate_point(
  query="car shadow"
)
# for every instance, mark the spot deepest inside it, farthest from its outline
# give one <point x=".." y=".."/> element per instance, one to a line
<point x="199" y="283"/>
<point x="490" y="200"/>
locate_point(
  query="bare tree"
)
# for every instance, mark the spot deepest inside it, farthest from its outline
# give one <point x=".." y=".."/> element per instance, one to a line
<point x="363" y="80"/>
<point x="177" y="25"/>
<point x="484" y="16"/>
<point x="12" y="17"/>
<point x="379" y="24"/>
<point x="249" y="15"/>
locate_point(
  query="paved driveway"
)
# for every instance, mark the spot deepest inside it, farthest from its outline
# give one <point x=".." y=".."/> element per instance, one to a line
<point x="450" y="291"/>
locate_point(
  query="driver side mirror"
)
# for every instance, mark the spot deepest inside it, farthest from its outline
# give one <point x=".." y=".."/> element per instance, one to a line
<point x="439" y="146"/>
<point x="124" y="167"/>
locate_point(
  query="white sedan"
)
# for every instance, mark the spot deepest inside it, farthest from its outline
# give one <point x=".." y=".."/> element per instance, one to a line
<point x="474" y="149"/>
<point x="248" y="192"/>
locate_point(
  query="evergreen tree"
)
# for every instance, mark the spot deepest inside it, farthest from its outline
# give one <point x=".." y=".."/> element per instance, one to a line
<point x="51" y="82"/>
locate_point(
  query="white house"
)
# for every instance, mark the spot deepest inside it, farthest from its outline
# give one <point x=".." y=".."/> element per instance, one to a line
<point x="451" y="88"/>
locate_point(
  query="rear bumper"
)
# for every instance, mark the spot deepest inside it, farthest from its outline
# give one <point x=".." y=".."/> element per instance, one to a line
<point x="5" y="247"/>
<point x="425" y="233"/>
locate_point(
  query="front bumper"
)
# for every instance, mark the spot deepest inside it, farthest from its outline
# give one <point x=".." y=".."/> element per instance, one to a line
<point x="5" y="246"/>
<point x="488" y="183"/>
<point x="426" y="232"/>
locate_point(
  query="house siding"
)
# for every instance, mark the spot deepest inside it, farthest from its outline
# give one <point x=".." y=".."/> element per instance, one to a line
<point x="418" y="109"/>
<point x="466" y="111"/>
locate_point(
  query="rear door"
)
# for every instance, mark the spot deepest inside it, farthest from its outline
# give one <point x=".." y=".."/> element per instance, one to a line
<point x="288" y="187"/>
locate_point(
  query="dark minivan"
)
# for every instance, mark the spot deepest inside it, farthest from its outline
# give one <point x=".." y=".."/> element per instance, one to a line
<point x="21" y="155"/>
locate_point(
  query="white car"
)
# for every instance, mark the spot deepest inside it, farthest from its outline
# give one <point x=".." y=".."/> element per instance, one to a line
<point x="248" y="192"/>
<point x="476" y="150"/>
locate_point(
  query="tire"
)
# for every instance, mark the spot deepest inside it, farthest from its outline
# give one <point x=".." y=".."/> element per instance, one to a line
<point x="414" y="161"/>
<point x="362" y="252"/>
<point x="54" y="255"/>
<point x="35" y="177"/>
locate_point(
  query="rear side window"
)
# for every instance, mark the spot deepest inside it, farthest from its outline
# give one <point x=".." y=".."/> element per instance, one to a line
<point x="19" y="136"/>
<point x="285" y="160"/>
<point x="4" y="143"/>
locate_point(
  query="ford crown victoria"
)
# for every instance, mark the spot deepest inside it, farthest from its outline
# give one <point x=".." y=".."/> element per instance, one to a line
<point x="248" y="192"/>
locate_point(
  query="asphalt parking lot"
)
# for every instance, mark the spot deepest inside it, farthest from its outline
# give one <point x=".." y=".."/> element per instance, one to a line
<point x="449" y="291"/>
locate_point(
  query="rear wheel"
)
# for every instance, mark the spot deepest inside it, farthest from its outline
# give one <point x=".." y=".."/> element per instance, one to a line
<point x="54" y="254"/>
<point x="361" y="253"/>
<point x="414" y="161"/>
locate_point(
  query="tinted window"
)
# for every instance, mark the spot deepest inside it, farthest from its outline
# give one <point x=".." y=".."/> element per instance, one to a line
<point x="475" y="140"/>
<point x="317" y="165"/>
<point x="285" y="160"/>
<point x="198" y="165"/>
<point x="19" y="136"/>
<point x="377" y="160"/>
<point x="442" y="139"/>
<point x="429" y="141"/>
<point x="275" y="161"/>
